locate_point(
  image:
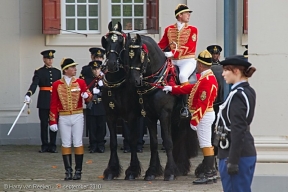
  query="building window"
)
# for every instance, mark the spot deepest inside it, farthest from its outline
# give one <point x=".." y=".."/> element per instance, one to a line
<point x="130" y="13"/>
<point x="80" y="16"/>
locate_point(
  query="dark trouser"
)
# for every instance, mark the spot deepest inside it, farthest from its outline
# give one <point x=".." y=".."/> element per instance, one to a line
<point x="97" y="131"/>
<point x="126" y="133"/>
<point x="44" y="120"/>
<point x="242" y="181"/>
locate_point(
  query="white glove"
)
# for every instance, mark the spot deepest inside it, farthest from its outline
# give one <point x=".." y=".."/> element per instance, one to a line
<point x="100" y="83"/>
<point x="193" y="127"/>
<point x="27" y="99"/>
<point x="168" y="54"/>
<point x="167" y="89"/>
<point x="95" y="90"/>
<point x="84" y="95"/>
<point x="54" y="127"/>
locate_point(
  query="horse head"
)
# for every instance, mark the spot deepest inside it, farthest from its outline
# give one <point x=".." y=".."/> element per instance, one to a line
<point x="138" y="59"/>
<point x="114" y="44"/>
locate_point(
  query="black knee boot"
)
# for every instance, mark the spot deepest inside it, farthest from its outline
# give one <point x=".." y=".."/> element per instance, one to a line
<point x="67" y="159"/>
<point x="78" y="167"/>
<point x="184" y="112"/>
<point x="210" y="174"/>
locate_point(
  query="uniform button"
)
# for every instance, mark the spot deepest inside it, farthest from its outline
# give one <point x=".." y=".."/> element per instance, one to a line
<point x="49" y="71"/>
<point x="50" y="78"/>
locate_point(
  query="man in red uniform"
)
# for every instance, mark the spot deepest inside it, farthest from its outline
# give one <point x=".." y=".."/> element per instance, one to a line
<point x="181" y="38"/>
<point x="66" y="111"/>
<point x="202" y="94"/>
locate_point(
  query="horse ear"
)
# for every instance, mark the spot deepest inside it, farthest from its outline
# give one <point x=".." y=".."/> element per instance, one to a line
<point x="110" y="26"/>
<point x="104" y="42"/>
<point x="119" y="27"/>
<point x="138" y="38"/>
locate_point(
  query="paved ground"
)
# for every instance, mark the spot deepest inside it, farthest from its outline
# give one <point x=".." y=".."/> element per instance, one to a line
<point x="24" y="169"/>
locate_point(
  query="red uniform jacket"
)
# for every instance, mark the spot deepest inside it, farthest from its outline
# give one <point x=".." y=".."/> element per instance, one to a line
<point x="202" y="95"/>
<point x="67" y="100"/>
<point x="186" y="40"/>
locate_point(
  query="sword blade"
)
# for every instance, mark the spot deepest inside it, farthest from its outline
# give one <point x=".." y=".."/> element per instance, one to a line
<point x="17" y="118"/>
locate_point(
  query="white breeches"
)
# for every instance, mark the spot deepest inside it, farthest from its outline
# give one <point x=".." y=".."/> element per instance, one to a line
<point x="186" y="68"/>
<point x="71" y="129"/>
<point x="204" y="129"/>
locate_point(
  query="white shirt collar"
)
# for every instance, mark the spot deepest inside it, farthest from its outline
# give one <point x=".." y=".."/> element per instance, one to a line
<point x="203" y="72"/>
<point x="235" y="84"/>
<point x="180" y="25"/>
<point x="67" y="79"/>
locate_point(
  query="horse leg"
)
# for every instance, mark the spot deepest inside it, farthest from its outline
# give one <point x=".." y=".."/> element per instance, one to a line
<point x="155" y="169"/>
<point x="134" y="169"/>
<point x="170" y="168"/>
<point x="114" y="168"/>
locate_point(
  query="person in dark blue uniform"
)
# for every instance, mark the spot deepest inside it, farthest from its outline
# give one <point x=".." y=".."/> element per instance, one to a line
<point x="44" y="77"/>
<point x="215" y="51"/>
<point x="245" y="54"/>
<point x="236" y="151"/>
<point x="99" y="131"/>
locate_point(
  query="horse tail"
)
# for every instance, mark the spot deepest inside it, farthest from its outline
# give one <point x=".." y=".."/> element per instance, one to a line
<point x="185" y="142"/>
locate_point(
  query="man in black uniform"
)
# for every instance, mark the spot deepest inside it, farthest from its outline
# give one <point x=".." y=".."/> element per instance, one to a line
<point x="44" y="77"/>
<point x="215" y="51"/>
<point x="95" y="116"/>
<point x="245" y="54"/>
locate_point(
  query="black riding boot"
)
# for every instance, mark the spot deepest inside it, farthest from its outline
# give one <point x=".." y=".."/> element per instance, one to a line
<point x="200" y="169"/>
<point x="67" y="159"/>
<point x="78" y="167"/>
<point x="184" y="112"/>
<point x="210" y="174"/>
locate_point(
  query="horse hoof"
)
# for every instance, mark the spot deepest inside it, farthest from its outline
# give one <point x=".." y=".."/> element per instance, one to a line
<point x="149" y="178"/>
<point x="170" y="178"/>
<point x="130" y="177"/>
<point x="109" y="177"/>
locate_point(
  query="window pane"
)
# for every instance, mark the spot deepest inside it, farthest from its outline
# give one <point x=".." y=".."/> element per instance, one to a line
<point x="93" y="1"/>
<point x="81" y="10"/>
<point x="70" y="1"/>
<point x="70" y="24"/>
<point x="116" y="10"/>
<point x="93" y="10"/>
<point x="70" y="10"/>
<point x="127" y="24"/>
<point x="138" y="10"/>
<point x="138" y="1"/>
<point x="82" y="24"/>
<point x="127" y="10"/>
<point x="127" y="1"/>
<point x="116" y="1"/>
<point x="138" y="24"/>
<point x="93" y="24"/>
<point x="81" y="1"/>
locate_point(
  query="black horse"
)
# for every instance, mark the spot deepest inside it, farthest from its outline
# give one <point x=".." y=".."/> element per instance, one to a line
<point x="149" y="67"/>
<point x="120" y="102"/>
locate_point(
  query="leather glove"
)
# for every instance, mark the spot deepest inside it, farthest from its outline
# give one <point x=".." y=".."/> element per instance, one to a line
<point x="84" y="95"/>
<point x="54" y="127"/>
<point x="100" y="83"/>
<point x="27" y="99"/>
<point x="95" y="90"/>
<point x="232" y="169"/>
<point x="193" y="127"/>
<point x="168" y="54"/>
<point x="167" y="89"/>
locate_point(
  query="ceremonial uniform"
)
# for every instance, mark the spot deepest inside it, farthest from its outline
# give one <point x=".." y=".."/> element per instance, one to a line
<point x="66" y="105"/>
<point x="95" y="114"/>
<point x="236" y="152"/>
<point x="215" y="50"/>
<point x="182" y="40"/>
<point x="44" y="77"/>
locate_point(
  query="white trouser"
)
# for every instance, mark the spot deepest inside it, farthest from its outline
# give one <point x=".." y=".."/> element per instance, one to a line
<point x="186" y="68"/>
<point x="204" y="129"/>
<point x="71" y="128"/>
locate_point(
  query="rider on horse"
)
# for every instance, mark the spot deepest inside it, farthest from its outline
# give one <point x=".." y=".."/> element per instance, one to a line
<point x="181" y="39"/>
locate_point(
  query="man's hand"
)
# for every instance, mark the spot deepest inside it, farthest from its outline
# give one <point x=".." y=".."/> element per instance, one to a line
<point x="54" y="127"/>
<point x="27" y="99"/>
<point x="168" y="54"/>
<point x="167" y="89"/>
<point x="84" y="95"/>
<point x="100" y="83"/>
<point x="193" y="127"/>
<point x="232" y="169"/>
<point x="95" y="90"/>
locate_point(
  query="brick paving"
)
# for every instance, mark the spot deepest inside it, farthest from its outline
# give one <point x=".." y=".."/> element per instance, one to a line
<point x="24" y="169"/>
